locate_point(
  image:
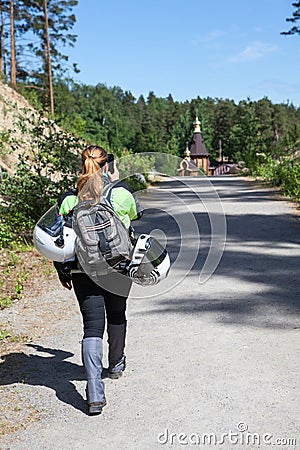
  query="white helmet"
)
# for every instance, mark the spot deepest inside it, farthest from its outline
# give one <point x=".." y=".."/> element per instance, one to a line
<point x="53" y="237"/>
<point x="150" y="262"/>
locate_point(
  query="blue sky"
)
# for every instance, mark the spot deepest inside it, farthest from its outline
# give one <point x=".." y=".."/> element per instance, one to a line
<point x="220" y="48"/>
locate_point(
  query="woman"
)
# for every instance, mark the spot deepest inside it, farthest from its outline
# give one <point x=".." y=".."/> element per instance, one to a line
<point x="94" y="300"/>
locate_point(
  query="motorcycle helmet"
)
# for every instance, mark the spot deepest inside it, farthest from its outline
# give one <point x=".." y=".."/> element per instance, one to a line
<point x="53" y="237"/>
<point x="150" y="262"/>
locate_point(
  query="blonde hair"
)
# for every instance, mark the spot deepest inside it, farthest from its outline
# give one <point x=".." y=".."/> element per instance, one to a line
<point x="89" y="184"/>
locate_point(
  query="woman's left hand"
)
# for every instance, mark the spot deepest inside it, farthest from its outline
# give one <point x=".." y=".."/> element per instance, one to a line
<point x="67" y="284"/>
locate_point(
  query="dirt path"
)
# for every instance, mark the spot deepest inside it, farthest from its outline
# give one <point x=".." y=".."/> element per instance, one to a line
<point x="203" y="360"/>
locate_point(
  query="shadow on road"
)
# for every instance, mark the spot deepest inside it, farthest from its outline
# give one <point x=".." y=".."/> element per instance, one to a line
<point x="52" y="371"/>
<point x="257" y="280"/>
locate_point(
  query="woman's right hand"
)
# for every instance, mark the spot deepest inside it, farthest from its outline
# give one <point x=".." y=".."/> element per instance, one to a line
<point x="114" y="176"/>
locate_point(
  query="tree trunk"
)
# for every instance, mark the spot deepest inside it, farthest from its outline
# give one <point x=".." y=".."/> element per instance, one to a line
<point x="3" y="70"/>
<point x="13" y="63"/>
<point x="47" y="51"/>
<point x="45" y="75"/>
<point x="1" y="45"/>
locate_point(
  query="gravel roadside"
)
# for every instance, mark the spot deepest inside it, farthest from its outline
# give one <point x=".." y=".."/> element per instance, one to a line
<point x="201" y="359"/>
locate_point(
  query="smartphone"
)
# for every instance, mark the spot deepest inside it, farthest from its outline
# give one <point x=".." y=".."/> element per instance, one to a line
<point x="111" y="162"/>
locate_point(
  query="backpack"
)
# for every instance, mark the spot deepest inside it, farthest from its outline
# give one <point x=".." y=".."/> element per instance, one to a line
<point x="102" y="240"/>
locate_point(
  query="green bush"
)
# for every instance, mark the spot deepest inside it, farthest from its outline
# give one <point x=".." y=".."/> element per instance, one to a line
<point x="48" y="168"/>
<point x="287" y="175"/>
<point x="284" y="173"/>
<point x="6" y="234"/>
<point x="135" y="163"/>
<point x="135" y="183"/>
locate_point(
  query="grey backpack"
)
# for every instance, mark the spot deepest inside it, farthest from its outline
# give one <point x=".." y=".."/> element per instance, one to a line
<point x="102" y="241"/>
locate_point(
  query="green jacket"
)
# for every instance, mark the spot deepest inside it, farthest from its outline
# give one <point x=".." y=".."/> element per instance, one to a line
<point x="124" y="203"/>
<point x="121" y="197"/>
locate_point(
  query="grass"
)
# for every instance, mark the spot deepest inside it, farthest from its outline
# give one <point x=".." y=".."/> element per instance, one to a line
<point x="4" y="334"/>
<point x="21" y="270"/>
<point x="5" y="302"/>
<point x="19" y="420"/>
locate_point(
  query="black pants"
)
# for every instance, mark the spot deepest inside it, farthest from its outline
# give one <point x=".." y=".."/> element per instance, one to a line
<point x="95" y="300"/>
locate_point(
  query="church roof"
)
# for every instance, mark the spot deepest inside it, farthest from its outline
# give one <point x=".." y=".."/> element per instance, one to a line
<point x="197" y="146"/>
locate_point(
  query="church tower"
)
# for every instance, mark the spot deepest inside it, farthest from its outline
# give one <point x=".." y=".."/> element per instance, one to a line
<point x="198" y="153"/>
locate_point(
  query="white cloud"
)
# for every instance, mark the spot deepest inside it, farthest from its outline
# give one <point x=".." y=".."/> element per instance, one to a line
<point x="278" y="86"/>
<point x="210" y="39"/>
<point x="213" y="35"/>
<point x="254" y="51"/>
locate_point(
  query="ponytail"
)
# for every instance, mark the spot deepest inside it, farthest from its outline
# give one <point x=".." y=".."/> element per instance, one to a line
<point x="89" y="184"/>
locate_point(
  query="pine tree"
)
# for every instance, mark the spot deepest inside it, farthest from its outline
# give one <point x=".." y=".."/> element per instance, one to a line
<point x="50" y="21"/>
<point x="296" y="16"/>
<point x="47" y="57"/>
<point x="13" y="62"/>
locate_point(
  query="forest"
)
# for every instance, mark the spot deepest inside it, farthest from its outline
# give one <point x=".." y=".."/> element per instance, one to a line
<point x="34" y="61"/>
<point x="35" y="35"/>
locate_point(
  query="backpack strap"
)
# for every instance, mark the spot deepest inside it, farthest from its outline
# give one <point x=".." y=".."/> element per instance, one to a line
<point x="107" y="190"/>
<point x="103" y="244"/>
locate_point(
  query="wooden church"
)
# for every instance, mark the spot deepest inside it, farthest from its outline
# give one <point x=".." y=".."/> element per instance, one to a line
<point x="196" y="156"/>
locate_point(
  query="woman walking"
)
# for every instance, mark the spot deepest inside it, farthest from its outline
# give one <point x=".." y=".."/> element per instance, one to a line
<point x="99" y="303"/>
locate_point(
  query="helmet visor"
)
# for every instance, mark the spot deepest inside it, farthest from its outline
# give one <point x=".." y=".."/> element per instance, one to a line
<point x="51" y="222"/>
<point x="153" y="257"/>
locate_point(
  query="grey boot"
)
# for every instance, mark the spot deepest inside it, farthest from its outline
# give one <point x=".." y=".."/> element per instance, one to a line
<point x="92" y="352"/>
<point x="116" y="345"/>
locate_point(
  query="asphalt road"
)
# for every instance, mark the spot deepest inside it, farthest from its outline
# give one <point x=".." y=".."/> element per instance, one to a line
<point x="211" y="364"/>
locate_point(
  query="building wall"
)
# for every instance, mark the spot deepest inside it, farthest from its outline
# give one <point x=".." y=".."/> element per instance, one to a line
<point x="202" y="163"/>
